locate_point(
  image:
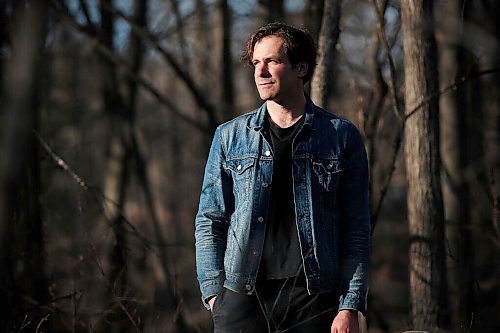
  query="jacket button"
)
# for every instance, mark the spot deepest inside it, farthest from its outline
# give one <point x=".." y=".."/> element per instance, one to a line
<point x="238" y="167"/>
<point x="265" y="184"/>
<point x="248" y="287"/>
<point x="267" y="153"/>
<point x="260" y="219"/>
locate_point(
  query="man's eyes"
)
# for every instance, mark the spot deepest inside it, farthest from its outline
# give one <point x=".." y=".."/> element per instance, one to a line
<point x="270" y="61"/>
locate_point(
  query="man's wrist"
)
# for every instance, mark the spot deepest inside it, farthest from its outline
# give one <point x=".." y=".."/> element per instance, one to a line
<point x="349" y="311"/>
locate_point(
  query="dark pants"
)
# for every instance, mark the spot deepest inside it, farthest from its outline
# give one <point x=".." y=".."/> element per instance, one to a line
<point x="276" y="306"/>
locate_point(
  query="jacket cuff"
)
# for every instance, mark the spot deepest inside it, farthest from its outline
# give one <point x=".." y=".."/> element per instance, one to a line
<point x="208" y="289"/>
<point x="353" y="301"/>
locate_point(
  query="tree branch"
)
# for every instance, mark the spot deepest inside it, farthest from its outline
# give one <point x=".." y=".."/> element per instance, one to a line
<point x="202" y="102"/>
<point x="70" y="21"/>
<point x="392" y="68"/>
<point x="379" y="11"/>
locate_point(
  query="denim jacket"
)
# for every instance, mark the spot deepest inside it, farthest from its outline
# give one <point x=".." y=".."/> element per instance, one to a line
<point x="330" y="184"/>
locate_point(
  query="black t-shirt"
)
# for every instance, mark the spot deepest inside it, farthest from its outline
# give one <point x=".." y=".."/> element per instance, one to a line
<point x="281" y="257"/>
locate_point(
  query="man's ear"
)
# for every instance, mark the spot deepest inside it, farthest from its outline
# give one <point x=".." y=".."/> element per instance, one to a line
<point x="302" y="69"/>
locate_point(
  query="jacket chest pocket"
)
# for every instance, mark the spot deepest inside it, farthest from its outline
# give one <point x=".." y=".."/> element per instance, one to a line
<point x="327" y="172"/>
<point x="241" y="168"/>
<point x="241" y="171"/>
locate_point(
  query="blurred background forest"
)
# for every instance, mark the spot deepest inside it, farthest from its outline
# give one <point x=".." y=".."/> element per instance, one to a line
<point x="106" y="115"/>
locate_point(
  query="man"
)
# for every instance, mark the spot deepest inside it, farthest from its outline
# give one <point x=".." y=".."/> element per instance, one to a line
<point x="282" y="231"/>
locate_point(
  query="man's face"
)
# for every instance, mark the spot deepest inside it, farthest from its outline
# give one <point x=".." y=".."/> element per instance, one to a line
<point x="275" y="78"/>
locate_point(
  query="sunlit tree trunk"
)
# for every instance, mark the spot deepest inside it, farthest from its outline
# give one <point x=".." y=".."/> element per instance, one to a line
<point x="428" y="286"/>
<point x="455" y="158"/>
<point x="23" y="284"/>
<point x="328" y="36"/>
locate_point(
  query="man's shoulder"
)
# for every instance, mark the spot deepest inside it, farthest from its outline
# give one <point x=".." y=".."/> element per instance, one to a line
<point x="330" y="118"/>
<point x="241" y="119"/>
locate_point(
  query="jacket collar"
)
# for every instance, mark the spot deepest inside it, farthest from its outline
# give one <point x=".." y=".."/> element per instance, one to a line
<point x="257" y="120"/>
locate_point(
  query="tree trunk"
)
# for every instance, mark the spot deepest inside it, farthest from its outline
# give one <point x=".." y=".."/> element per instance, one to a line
<point x="174" y="4"/>
<point x="372" y="112"/>
<point x="271" y="10"/>
<point x="202" y="68"/>
<point x="313" y="14"/>
<point x="329" y="34"/>
<point x="165" y="297"/>
<point x="428" y="286"/>
<point x="23" y="284"/>
<point x="455" y="158"/>
<point x="116" y="177"/>
<point x="491" y="131"/>
<point x="226" y="62"/>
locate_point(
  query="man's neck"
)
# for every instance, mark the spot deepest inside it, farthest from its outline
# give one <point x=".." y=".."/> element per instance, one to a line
<point x="286" y="114"/>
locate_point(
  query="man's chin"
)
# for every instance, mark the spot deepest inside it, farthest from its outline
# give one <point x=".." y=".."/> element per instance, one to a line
<point x="266" y="96"/>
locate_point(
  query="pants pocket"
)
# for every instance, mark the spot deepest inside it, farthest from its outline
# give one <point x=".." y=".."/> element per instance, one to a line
<point x="218" y="300"/>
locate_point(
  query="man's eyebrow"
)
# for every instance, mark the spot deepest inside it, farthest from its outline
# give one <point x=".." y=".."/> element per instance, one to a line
<point x="268" y="58"/>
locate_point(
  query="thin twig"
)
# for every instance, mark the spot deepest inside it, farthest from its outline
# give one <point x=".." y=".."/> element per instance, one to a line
<point x="41" y="322"/>
<point x="25" y="323"/>
<point x="60" y="162"/>
<point x="453" y="86"/>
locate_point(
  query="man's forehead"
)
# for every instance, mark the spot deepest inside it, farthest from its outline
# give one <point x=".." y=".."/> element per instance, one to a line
<point x="273" y="38"/>
<point x="273" y="43"/>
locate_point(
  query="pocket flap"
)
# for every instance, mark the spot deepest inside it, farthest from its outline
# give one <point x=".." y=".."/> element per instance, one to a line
<point x="239" y="166"/>
<point x="328" y="165"/>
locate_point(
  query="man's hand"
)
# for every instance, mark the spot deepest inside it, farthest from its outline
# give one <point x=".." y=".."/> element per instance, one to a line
<point x="346" y="321"/>
<point x="211" y="302"/>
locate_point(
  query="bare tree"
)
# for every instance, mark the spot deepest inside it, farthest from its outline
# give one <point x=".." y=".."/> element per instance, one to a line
<point x="328" y="36"/>
<point x="116" y="175"/>
<point x="23" y="284"/>
<point x="491" y="129"/>
<point x="455" y="158"/>
<point x="179" y="23"/>
<point x="226" y="63"/>
<point x="428" y="287"/>
<point x="313" y="13"/>
<point x="271" y="10"/>
<point x="203" y="43"/>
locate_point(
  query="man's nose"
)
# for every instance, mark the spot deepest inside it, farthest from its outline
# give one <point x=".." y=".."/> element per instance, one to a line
<point x="261" y="70"/>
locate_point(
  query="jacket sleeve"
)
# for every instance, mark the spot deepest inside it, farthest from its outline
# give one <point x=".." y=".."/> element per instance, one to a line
<point x="212" y="222"/>
<point x="355" y="255"/>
